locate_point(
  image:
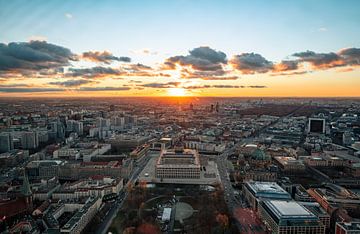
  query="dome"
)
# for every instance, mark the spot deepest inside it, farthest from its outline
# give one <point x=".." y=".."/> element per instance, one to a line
<point x="259" y="155"/>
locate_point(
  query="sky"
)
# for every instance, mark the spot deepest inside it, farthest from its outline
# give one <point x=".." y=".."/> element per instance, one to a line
<point x="180" y="48"/>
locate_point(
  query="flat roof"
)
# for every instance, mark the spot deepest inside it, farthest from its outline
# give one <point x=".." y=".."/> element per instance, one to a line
<point x="353" y="226"/>
<point x="288" y="208"/>
<point x="267" y="189"/>
<point x="166" y="214"/>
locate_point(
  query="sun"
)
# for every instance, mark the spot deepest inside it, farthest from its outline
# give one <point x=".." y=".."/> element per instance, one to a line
<point x="176" y="92"/>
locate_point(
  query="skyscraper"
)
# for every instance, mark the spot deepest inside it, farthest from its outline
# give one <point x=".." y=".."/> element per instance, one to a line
<point x="6" y="142"/>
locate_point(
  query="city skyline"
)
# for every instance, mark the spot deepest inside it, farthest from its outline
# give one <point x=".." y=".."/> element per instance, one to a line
<point x="179" y="48"/>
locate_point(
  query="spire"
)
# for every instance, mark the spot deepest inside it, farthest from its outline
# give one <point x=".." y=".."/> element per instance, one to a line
<point x="25" y="188"/>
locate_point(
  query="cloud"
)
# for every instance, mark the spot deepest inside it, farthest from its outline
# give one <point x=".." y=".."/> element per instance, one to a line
<point x="251" y="63"/>
<point x="320" y="60"/>
<point x="37" y="38"/>
<point x="283" y="66"/>
<point x="103" y="57"/>
<point x="138" y="67"/>
<point x="290" y="73"/>
<point x="68" y="15"/>
<point x="33" y="57"/>
<point x="113" y="72"/>
<point x="104" y="88"/>
<point x="322" y="29"/>
<point x="224" y="87"/>
<point x="202" y="59"/>
<point x="29" y="90"/>
<point x="161" y="85"/>
<point x="71" y="83"/>
<point x="351" y="56"/>
<point x="93" y="72"/>
<point x="144" y="52"/>
<point x="257" y="86"/>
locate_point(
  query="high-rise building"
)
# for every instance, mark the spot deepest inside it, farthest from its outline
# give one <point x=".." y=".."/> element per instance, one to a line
<point x="29" y="140"/>
<point x="6" y="142"/>
<point x="316" y="125"/>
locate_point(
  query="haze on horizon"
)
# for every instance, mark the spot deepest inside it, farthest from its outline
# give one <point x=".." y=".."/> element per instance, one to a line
<point x="180" y="48"/>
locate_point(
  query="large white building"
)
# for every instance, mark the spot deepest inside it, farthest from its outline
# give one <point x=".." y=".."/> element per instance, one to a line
<point x="178" y="164"/>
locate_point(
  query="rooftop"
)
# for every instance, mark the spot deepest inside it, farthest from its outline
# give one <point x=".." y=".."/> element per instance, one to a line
<point x="353" y="226"/>
<point x="288" y="209"/>
<point x="267" y="190"/>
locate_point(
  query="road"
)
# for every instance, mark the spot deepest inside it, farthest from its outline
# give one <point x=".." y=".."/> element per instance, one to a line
<point x="105" y="224"/>
<point x="248" y="223"/>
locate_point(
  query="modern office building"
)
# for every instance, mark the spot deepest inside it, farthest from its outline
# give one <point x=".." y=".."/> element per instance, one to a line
<point x="179" y="164"/>
<point x="255" y="191"/>
<point x="282" y="217"/>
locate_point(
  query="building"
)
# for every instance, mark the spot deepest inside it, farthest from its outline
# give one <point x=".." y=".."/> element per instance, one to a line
<point x="255" y="191"/>
<point x="282" y="217"/>
<point x="317" y="210"/>
<point x="6" y="142"/>
<point x="81" y="213"/>
<point x="179" y="164"/>
<point x="316" y="125"/>
<point x="75" y="171"/>
<point x="290" y="164"/>
<point x="29" y="140"/>
<point x="22" y="204"/>
<point x="43" y="169"/>
<point x="162" y="144"/>
<point x="96" y="186"/>
<point x="333" y="196"/>
<point x="347" y="228"/>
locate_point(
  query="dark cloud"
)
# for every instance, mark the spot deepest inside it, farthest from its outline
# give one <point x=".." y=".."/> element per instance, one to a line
<point x="103" y="57"/>
<point x="29" y="90"/>
<point x="202" y="59"/>
<point x="104" y="88"/>
<point x="101" y="72"/>
<point x="139" y="67"/>
<point x="320" y="60"/>
<point x="13" y="85"/>
<point x="94" y="72"/>
<point x="289" y="73"/>
<point x="135" y="81"/>
<point x="287" y="65"/>
<point x="251" y="63"/>
<point x="351" y="56"/>
<point x="257" y="86"/>
<point x="33" y="56"/>
<point x="71" y="83"/>
<point x="161" y="85"/>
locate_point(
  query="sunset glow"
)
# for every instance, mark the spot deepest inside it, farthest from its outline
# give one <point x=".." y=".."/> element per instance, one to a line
<point x="60" y="49"/>
<point x="176" y="92"/>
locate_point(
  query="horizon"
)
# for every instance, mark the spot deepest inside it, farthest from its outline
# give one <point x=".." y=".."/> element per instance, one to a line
<point x="141" y="49"/>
